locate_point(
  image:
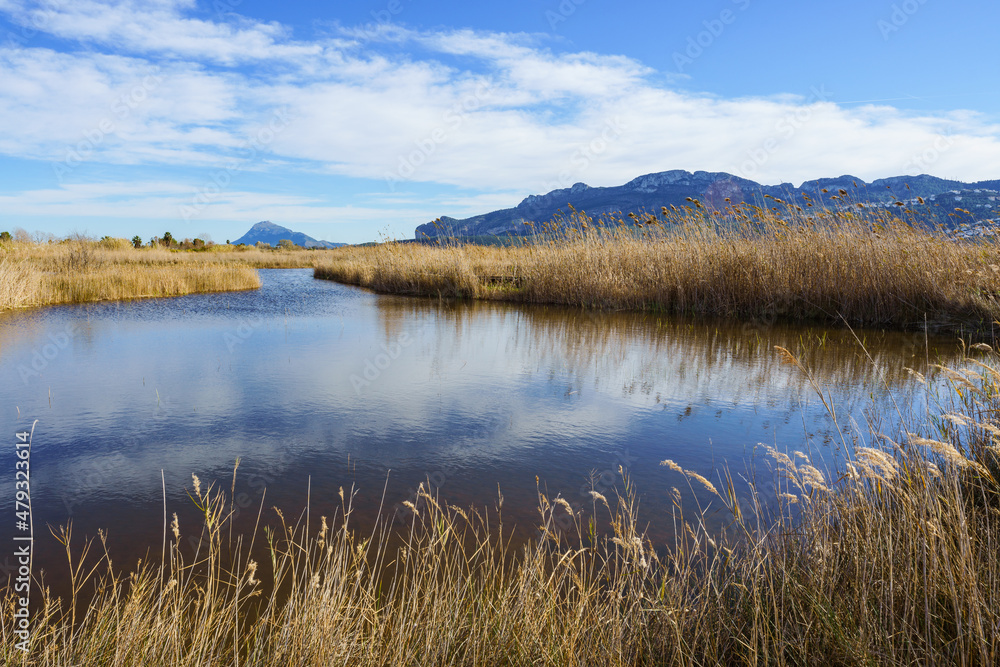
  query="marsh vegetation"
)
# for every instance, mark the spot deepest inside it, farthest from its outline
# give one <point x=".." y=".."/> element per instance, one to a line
<point x="887" y="557"/>
<point x="882" y="554"/>
<point x="861" y="266"/>
<point x="79" y="270"/>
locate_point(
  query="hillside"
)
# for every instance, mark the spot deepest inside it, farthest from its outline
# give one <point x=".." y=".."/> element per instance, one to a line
<point x="270" y="233"/>
<point x="652" y="191"/>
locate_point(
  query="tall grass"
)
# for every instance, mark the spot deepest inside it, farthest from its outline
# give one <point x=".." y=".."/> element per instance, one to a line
<point x="862" y="266"/>
<point x="887" y="558"/>
<point x="80" y="270"/>
<point x="18" y="282"/>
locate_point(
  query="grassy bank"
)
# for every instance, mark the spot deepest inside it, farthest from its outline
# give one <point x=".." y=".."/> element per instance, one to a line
<point x="74" y="271"/>
<point x="889" y="559"/>
<point x="865" y="266"/>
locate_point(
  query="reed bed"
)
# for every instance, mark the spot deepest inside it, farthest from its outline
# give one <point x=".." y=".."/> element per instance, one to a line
<point x="861" y="266"/>
<point x="80" y="270"/>
<point x="885" y="558"/>
<point x="18" y="282"/>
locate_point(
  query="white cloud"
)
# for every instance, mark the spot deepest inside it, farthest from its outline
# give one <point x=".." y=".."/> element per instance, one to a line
<point x="165" y="201"/>
<point x="491" y="113"/>
<point x="158" y="27"/>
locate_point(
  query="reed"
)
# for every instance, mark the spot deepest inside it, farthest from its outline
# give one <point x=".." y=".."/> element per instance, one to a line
<point x="861" y="266"/>
<point x="885" y="558"/>
<point x="18" y="282"/>
<point x="80" y="270"/>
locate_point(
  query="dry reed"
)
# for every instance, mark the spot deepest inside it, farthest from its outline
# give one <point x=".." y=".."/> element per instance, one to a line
<point x="80" y="270"/>
<point x="889" y="558"/>
<point x="864" y="267"/>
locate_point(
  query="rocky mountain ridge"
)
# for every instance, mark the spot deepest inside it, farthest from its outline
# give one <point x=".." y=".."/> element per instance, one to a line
<point x="649" y="192"/>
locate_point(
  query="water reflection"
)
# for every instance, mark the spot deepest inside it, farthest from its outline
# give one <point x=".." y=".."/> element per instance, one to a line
<point x="640" y="351"/>
<point x="315" y="384"/>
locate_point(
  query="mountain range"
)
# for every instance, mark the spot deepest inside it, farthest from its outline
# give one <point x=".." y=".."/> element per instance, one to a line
<point x="270" y="233"/>
<point x="946" y="202"/>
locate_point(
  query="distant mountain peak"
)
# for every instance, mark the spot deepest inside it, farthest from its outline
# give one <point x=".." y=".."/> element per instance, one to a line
<point x="267" y="225"/>
<point x="267" y="232"/>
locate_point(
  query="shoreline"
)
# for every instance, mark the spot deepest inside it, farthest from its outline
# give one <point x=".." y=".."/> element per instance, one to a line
<point x="869" y="273"/>
<point x="74" y="272"/>
<point x="888" y="554"/>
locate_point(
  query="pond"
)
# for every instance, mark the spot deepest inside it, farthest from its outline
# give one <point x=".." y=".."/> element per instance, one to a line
<point x="316" y="386"/>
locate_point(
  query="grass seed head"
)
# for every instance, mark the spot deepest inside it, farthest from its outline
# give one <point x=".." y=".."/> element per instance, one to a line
<point x="598" y="497"/>
<point x="673" y="466"/>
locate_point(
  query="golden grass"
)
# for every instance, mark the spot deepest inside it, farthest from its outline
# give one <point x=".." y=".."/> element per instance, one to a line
<point x="864" y="267"/>
<point x="888" y="558"/>
<point x="73" y="271"/>
<point x="18" y="282"/>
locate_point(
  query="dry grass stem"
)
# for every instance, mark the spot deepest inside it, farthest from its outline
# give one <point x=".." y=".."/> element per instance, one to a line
<point x="862" y="267"/>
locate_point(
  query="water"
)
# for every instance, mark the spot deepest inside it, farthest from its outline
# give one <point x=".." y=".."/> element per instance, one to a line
<point x="315" y="386"/>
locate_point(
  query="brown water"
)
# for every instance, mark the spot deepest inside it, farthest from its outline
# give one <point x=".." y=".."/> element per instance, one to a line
<point x="316" y="386"/>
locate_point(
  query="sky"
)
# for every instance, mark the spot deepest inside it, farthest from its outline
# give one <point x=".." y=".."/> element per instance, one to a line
<point x="358" y="121"/>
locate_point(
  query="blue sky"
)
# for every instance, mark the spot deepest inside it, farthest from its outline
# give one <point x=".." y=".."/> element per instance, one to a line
<point x="357" y="121"/>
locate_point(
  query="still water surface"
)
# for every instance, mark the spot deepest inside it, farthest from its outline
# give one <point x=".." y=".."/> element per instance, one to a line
<point x="316" y="386"/>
